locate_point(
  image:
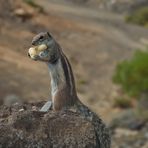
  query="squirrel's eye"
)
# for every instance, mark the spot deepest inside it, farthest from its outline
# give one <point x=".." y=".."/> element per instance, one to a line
<point x="41" y="37"/>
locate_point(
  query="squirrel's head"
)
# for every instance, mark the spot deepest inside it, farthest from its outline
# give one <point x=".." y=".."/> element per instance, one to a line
<point x="44" y="48"/>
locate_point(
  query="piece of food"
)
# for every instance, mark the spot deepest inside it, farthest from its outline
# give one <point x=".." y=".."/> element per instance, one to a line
<point x="41" y="47"/>
<point x="32" y="51"/>
<point x="36" y="50"/>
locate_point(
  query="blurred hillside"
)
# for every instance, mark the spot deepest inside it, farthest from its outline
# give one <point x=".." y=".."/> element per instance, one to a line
<point x="94" y="36"/>
<point x="93" y="49"/>
<point x="118" y="6"/>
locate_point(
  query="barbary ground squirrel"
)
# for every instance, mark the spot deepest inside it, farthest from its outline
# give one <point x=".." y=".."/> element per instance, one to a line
<point x="64" y="96"/>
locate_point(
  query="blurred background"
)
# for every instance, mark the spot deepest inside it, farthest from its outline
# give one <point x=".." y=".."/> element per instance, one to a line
<point x="106" y="42"/>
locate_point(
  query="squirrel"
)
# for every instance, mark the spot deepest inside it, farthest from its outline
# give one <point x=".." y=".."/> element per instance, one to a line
<point x="63" y="91"/>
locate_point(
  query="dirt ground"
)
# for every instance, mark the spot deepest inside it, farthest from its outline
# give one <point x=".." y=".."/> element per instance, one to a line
<point x="94" y="41"/>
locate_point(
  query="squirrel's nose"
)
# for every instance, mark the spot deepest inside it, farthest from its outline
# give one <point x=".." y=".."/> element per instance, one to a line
<point x="33" y="42"/>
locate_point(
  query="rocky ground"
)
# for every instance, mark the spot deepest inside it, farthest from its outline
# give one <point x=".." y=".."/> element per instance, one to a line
<point x="130" y="129"/>
<point x="94" y="40"/>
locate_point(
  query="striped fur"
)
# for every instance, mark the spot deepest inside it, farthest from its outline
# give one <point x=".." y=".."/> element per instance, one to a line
<point x="62" y="83"/>
<point x="66" y="96"/>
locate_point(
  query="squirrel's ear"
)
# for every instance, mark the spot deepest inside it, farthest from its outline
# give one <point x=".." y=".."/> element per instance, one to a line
<point x="49" y="35"/>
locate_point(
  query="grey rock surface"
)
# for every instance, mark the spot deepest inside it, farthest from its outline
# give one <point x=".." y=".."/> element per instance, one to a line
<point x="23" y="126"/>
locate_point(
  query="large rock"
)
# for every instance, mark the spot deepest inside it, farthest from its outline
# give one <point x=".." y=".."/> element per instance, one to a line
<point x="24" y="126"/>
<point x="130" y="119"/>
<point x="130" y="129"/>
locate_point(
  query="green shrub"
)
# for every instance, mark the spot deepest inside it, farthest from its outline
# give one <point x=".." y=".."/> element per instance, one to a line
<point x="122" y="102"/>
<point x="139" y="17"/>
<point x="132" y="75"/>
<point x="82" y="82"/>
<point x="33" y="4"/>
